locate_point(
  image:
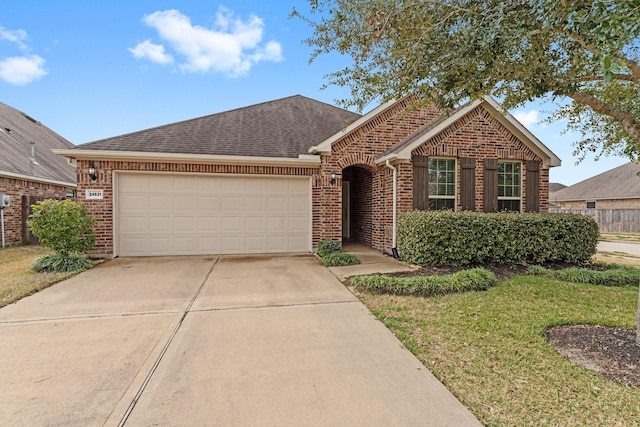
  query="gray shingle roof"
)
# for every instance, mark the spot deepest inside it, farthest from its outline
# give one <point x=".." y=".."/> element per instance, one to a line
<point x="17" y="131"/>
<point x="556" y="186"/>
<point x="622" y="181"/>
<point x="282" y="128"/>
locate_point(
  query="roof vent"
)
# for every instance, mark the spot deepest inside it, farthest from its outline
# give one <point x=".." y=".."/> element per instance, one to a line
<point x="7" y="130"/>
<point x="28" y="117"/>
<point x="32" y="157"/>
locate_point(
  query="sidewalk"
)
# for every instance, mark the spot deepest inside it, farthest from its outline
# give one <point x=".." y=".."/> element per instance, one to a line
<point x="372" y="261"/>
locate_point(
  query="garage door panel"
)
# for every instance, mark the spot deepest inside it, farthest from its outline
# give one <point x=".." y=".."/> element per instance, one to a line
<point x="208" y="225"/>
<point x="164" y="214"/>
<point x="185" y="204"/>
<point x="160" y="184"/>
<point x="160" y="225"/>
<point x="160" y="202"/>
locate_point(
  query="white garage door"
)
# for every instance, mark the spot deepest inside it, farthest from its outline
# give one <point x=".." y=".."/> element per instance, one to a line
<point x="163" y="214"/>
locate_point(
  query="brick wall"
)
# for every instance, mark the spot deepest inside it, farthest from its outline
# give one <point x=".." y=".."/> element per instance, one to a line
<point x="478" y="135"/>
<point x="16" y="188"/>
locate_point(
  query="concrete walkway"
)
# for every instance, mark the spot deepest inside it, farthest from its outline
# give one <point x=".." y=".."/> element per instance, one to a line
<point x="197" y="341"/>
<point x="371" y="262"/>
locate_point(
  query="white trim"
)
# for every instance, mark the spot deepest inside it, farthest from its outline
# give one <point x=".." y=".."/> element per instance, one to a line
<point x="325" y="146"/>
<point x="36" y="179"/>
<point x="302" y="160"/>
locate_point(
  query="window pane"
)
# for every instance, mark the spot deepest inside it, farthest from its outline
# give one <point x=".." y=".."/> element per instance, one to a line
<point x="509" y="205"/>
<point x="442" y="177"/>
<point x="441" y="204"/>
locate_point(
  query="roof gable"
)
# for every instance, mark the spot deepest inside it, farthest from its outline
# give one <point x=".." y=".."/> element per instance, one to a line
<point x="282" y="128"/>
<point x="403" y="149"/>
<point x="17" y="132"/>
<point x="617" y="183"/>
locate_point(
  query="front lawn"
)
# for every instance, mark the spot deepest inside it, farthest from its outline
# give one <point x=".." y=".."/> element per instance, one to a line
<point x="489" y="349"/>
<point x="16" y="278"/>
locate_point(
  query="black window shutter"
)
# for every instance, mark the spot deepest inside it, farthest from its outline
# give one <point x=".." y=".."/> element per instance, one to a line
<point x="533" y="186"/>
<point x="420" y="183"/>
<point x="467" y="183"/>
<point x="490" y="188"/>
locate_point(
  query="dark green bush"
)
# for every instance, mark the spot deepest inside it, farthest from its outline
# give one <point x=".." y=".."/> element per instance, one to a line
<point x="328" y="246"/>
<point x="477" y="279"/>
<point x="61" y="263"/>
<point x="462" y="238"/>
<point x="339" y="258"/>
<point x="610" y="275"/>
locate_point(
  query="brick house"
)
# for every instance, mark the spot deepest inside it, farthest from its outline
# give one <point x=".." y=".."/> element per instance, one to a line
<point x="280" y="176"/>
<point x="28" y="167"/>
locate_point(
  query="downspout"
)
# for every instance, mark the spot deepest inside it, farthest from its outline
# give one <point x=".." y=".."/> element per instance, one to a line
<point x="394" y="249"/>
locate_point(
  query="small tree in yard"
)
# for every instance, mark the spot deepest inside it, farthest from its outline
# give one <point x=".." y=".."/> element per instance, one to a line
<point x="67" y="229"/>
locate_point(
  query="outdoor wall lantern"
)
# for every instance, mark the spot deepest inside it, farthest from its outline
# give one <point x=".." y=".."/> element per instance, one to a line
<point x="332" y="180"/>
<point x="92" y="172"/>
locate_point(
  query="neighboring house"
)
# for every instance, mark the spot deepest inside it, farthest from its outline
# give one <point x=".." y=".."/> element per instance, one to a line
<point x="553" y="188"/>
<point x="28" y="167"/>
<point x="280" y="176"/>
<point x="618" y="188"/>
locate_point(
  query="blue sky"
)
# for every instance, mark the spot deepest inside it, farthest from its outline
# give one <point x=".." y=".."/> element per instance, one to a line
<point x="90" y="70"/>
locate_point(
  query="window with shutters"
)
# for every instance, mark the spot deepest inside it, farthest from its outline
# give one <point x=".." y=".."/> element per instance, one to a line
<point x="442" y="184"/>
<point x="509" y="186"/>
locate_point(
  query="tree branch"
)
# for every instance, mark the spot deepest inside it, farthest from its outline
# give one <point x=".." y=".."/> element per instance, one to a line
<point x="626" y="120"/>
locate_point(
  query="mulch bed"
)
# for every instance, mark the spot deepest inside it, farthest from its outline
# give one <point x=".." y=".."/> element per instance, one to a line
<point x="610" y="351"/>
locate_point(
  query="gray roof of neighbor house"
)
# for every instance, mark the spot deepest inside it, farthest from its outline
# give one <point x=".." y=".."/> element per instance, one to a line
<point x="17" y="132"/>
<point x="620" y="182"/>
<point x="556" y="186"/>
<point x="285" y="127"/>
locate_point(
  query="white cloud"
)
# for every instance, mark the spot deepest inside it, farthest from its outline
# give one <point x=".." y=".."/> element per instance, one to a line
<point x="152" y="52"/>
<point x="232" y="46"/>
<point x="15" y="36"/>
<point x="527" y="118"/>
<point x="21" y="70"/>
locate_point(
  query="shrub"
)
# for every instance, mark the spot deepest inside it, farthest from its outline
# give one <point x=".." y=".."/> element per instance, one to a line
<point x="462" y="238"/>
<point x="340" y="258"/>
<point x="64" y="226"/>
<point x="476" y="279"/>
<point x="61" y="263"/>
<point x="328" y="246"/>
<point x="612" y="275"/>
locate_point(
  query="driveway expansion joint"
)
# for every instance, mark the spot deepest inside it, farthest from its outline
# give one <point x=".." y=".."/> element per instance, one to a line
<point x="268" y="306"/>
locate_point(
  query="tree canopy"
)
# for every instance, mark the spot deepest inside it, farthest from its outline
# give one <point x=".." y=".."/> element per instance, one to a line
<point x="452" y="51"/>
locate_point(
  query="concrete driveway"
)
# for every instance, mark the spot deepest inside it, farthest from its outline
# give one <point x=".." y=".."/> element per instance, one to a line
<point x="203" y="341"/>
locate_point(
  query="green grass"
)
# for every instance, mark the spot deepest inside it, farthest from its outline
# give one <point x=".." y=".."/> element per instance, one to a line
<point x="477" y="279"/>
<point x="336" y="259"/>
<point x="489" y="349"/>
<point x="610" y="275"/>
<point x="17" y="280"/>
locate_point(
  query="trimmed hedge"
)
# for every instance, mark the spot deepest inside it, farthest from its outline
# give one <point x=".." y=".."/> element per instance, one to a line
<point x="476" y="279"/>
<point x="612" y="275"/>
<point x="462" y="238"/>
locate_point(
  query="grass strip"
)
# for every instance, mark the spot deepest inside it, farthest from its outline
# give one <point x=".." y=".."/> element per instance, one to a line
<point x="477" y="279"/>
<point x="610" y="275"/>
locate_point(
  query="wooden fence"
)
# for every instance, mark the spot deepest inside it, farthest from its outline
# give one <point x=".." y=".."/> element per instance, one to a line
<point x="611" y="220"/>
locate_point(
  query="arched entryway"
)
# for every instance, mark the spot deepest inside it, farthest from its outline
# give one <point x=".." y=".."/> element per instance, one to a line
<point x="357" y="206"/>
